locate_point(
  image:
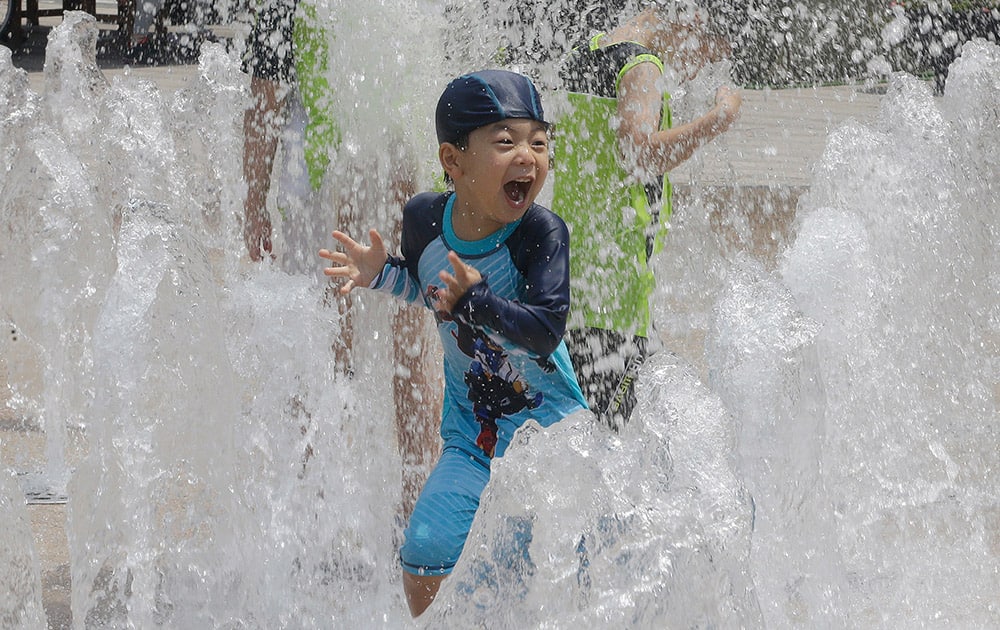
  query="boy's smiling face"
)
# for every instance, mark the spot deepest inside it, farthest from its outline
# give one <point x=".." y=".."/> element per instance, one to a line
<point x="497" y="175"/>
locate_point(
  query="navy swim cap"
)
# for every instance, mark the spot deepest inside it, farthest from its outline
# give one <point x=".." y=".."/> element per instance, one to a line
<point x="474" y="100"/>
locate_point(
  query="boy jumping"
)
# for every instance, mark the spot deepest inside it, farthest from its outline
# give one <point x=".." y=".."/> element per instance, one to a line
<point x="494" y="268"/>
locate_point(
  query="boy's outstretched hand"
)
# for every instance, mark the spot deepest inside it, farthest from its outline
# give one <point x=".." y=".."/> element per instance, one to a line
<point x="358" y="263"/>
<point x="455" y="285"/>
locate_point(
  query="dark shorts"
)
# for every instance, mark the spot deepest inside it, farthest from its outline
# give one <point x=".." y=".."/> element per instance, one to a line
<point x="607" y="364"/>
<point x="270" y="52"/>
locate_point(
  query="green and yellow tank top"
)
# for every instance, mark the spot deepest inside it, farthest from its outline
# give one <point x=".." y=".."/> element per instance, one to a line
<point x="616" y="223"/>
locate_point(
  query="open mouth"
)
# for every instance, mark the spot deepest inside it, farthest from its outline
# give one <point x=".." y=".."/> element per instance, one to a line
<point x="517" y="189"/>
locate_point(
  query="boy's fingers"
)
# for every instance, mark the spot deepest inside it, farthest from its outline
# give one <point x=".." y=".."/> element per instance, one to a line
<point x="461" y="269"/>
<point x="336" y="257"/>
<point x="345" y="240"/>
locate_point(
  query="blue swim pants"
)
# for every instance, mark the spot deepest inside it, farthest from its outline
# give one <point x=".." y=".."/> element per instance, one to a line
<point x="443" y="514"/>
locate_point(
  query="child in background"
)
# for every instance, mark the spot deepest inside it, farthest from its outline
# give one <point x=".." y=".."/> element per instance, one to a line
<point x="614" y="148"/>
<point x="288" y="59"/>
<point x="494" y="268"/>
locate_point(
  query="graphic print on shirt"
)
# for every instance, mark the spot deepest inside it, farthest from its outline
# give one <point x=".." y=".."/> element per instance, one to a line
<point x="496" y="387"/>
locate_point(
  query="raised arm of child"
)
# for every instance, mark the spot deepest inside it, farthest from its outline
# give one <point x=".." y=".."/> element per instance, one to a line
<point x="652" y="150"/>
<point x="361" y="264"/>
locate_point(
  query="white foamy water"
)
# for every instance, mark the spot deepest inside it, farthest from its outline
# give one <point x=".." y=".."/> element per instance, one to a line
<point x="828" y="461"/>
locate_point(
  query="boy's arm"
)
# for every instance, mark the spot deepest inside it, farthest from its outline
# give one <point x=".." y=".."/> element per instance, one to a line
<point x="395" y="279"/>
<point x="372" y="267"/>
<point x="359" y="265"/>
<point x="650" y="151"/>
<point x="539" y="322"/>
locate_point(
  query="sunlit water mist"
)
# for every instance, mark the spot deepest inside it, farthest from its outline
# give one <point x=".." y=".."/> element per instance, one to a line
<point x="862" y="372"/>
<point x="827" y="462"/>
<point x="235" y="475"/>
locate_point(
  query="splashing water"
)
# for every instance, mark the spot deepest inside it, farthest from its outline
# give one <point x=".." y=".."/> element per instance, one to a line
<point x="828" y="461"/>
<point x="22" y="603"/>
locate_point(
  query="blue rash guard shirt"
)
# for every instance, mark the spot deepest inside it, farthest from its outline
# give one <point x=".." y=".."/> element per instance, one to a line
<point x="504" y="358"/>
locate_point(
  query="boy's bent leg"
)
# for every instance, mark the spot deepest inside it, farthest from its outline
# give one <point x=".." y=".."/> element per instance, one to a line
<point x="420" y="591"/>
<point x="440" y="524"/>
